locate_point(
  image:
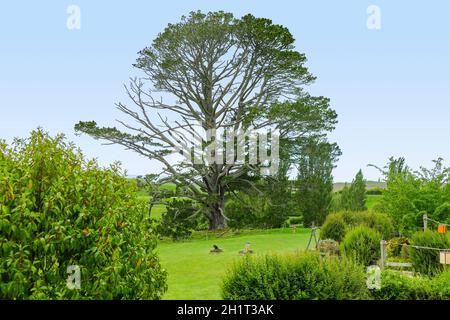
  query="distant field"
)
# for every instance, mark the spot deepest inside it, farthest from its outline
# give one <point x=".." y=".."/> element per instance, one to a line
<point x="157" y="209"/>
<point x="194" y="273"/>
<point x="369" y="185"/>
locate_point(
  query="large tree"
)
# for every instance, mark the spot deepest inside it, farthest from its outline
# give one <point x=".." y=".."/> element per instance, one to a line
<point x="216" y="73"/>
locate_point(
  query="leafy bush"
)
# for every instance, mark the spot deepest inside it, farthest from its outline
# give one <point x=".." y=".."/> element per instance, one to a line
<point x="362" y="244"/>
<point x="426" y="261"/>
<point x="304" y="276"/>
<point x="337" y="224"/>
<point x="395" y="286"/>
<point x="410" y="194"/>
<point x="180" y="219"/>
<point x="58" y="210"/>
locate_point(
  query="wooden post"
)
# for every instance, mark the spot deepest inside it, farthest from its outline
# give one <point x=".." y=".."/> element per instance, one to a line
<point x="383" y="245"/>
<point x="425" y="222"/>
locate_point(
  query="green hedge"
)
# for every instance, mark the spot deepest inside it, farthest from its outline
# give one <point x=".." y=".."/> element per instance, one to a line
<point x="305" y="276"/>
<point x="426" y="261"/>
<point x="58" y="210"/>
<point x="395" y="286"/>
<point x="376" y="191"/>
<point x="336" y="225"/>
<point x="296" y="220"/>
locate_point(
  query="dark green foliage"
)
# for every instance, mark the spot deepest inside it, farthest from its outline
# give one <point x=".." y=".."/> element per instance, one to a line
<point x="249" y="209"/>
<point x="56" y="210"/>
<point x="353" y="197"/>
<point x="395" y="286"/>
<point x="377" y="191"/>
<point x="314" y="184"/>
<point x="240" y="215"/>
<point x="180" y="219"/>
<point x="362" y="244"/>
<point x="337" y="224"/>
<point x="296" y="221"/>
<point x="278" y="194"/>
<point x="426" y="261"/>
<point x="295" y="277"/>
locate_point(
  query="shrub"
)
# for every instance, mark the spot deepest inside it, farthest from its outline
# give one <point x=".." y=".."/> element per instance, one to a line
<point x="334" y="227"/>
<point x="362" y="244"/>
<point x="304" y="276"/>
<point x="426" y="261"/>
<point x="180" y="219"/>
<point x="395" y="286"/>
<point x="57" y="210"/>
<point x="377" y="221"/>
<point x="440" y="285"/>
<point x="337" y="224"/>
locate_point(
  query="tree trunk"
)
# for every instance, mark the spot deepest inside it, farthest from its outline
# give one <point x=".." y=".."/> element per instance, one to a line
<point x="216" y="216"/>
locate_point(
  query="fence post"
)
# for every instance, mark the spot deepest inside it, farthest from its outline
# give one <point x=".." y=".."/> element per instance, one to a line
<point x="383" y="244"/>
<point x="425" y="222"/>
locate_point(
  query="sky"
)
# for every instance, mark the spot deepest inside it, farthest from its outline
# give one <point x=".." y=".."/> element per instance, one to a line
<point x="390" y="85"/>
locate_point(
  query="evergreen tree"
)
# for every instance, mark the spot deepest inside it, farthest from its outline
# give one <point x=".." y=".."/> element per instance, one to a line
<point x="353" y="198"/>
<point x="315" y="181"/>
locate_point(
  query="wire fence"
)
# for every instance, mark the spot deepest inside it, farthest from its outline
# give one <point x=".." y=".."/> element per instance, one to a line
<point x="437" y="222"/>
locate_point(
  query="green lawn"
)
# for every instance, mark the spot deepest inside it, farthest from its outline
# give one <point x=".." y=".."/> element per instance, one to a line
<point x="194" y="273"/>
<point x="372" y="200"/>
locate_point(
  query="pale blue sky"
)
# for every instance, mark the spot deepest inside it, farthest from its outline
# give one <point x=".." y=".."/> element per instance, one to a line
<point x="390" y="87"/>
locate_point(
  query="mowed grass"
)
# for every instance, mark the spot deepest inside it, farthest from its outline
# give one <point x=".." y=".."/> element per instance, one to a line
<point x="372" y="200"/>
<point x="157" y="210"/>
<point x="194" y="273"/>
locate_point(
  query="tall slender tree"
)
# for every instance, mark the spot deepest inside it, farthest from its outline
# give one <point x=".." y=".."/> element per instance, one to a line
<point x="354" y="197"/>
<point x="314" y="183"/>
